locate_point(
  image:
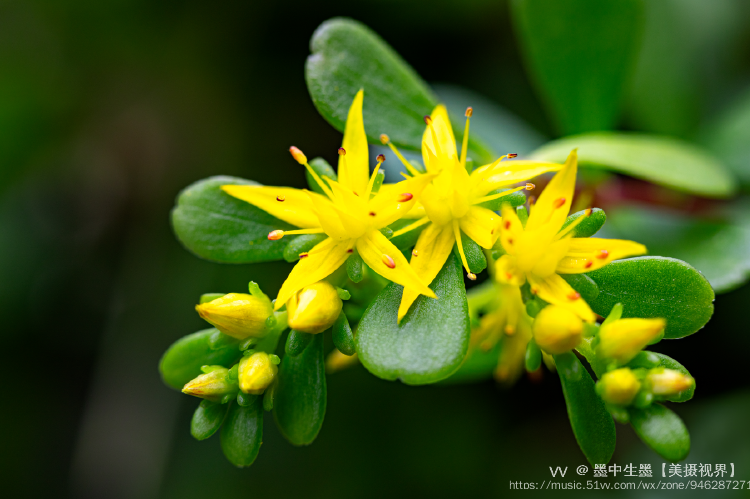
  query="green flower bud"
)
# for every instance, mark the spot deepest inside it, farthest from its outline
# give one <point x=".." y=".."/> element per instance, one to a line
<point x="212" y="386"/>
<point x="557" y="330"/>
<point x="621" y="340"/>
<point x="664" y="382"/>
<point x="238" y="315"/>
<point x="618" y="387"/>
<point x="257" y="372"/>
<point x="314" y="308"/>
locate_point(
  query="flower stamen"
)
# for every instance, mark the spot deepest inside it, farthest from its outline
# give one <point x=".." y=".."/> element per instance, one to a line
<point x="302" y="159"/>
<point x="388" y="261"/>
<point x="465" y="143"/>
<point x="385" y="140"/>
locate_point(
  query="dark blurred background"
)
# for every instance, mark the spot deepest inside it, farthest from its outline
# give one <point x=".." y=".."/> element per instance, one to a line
<point x="108" y="109"/>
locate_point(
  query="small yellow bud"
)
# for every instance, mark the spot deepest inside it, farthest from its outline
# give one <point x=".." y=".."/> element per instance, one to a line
<point x="257" y="372"/>
<point x="557" y="330"/>
<point x="210" y="386"/>
<point x="622" y="339"/>
<point x="666" y="382"/>
<point x="618" y="387"/>
<point x="238" y="315"/>
<point x="314" y="308"/>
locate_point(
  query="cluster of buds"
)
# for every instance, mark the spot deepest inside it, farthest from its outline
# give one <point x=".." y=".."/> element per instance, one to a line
<point x="314" y="308"/>
<point x="239" y="315"/>
<point x="251" y="376"/>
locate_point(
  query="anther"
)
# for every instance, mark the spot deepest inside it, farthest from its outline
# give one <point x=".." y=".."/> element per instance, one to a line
<point x="508" y="276"/>
<point x="602" y="254"/>
<point x="275" y="235"/>
<point x="303" y="255"/>
<point x="557" y="203"/>
<point x="510" y="329"/>
<point x="280" y="198"/>
<point x="404" y="197"/>
<point x="298" y="155"/>
<point x="510" y="240"/>
<point x="469" y="112"/>
<point x="574" y="296"/>
<point x="534" y="291"/>
<point x="428" y="120"/>
<point x="588" y="212"/>
<point x="472" y="276"/>
<point x="414" y="252"/>
<point x="530" y="186"/>
<point x="350" y="250"/>
<point x="372" y="214"/>
<point x="588" y="264"/>
<point x="512" y="154"/>
<point x="388" y="261"/>
<point x="342" y="151"/>
<point x="384" y="139"/>
<point x="381" y="158"/>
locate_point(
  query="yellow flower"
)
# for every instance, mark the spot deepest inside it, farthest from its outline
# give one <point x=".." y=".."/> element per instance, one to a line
<point x="238" y="315"/>
<point x="211" y="386"/>
<point x="618" y="387"/>
<point x="314" y="308"/>
<point x="257" y="372"/>
<point x="349" y="214"/>
<point x="451" y="201"/>
<point x="557" y="329"/>
<point x="542" y="250"/>
<point x="621" y="340"/>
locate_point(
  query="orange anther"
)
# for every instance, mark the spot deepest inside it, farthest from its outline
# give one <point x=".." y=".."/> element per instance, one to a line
<point x="557" y="203"/>
<point x="298" y="155"/>
<point x="469" y="112"/>
<point x="404" y="197"/>
<point x="602" y="254"/>
<point x="471" y="276"/>
<point x="302" y="255"/>
<point x="588" y="264"/>
<point x="507" y="224"/>
<point x="275" y="235"/>
<point x="342" y="151"/>
<point x="512" y="154"/>
<point x="372" y="213"/>
<point x="574" y="296"/>
<point x="384" y="139"/>
<point x="415" y="252"/>
<point x="388" y="261"/>
<point x="280" y="198"/>
<point x="428" y="120"/>
<point x="380" y="158"/>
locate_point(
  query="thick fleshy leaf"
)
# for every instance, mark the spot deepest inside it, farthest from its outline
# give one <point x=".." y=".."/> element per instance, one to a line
<point x="649" y="360"/>
<point x="346" y="57"/>
<point x="302" y="244"/>
<point x="589" y="226"/>
<point x="218" y="227"/>
<point x="474" y="254"/>
<point x="592" y="425"/>
<point x="183" y="360"/>
<point x="342" y="335"/>
<point x="296" y="342"/>
<point x="661" y="160"/>
<point x="207" y="419"/>
<point x="718" y="248"/>
<point x="579" y="53"/>
<point x="300" y="397"/>
<point x="662" y="430"/>
<point x="432" y="339"/>
<point x="654" y="286"/>
<point x="242" y="433"/>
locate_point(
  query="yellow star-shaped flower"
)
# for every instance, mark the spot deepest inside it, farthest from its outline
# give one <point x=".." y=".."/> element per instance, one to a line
<point x="349" y="213"/>
<point x="542" y="250"/>
<point x="451" y="202"/>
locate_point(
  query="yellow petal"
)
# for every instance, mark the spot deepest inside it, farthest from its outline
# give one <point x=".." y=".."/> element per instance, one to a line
<point x="436" y="207"/>
<point x="385" y="259"/>
<point x="507" y="272"/>
<point x="354" y="169"/>
<point x="481" y="225"/>
<point x="296" y="207"/>
<point x="445" y="150"/>
<point x="506" y="173"/>
<point x="433" y="247"/>
<point x="328" y="216"/>
<point x="552" y="207"/>
<point x="320" y="262"/>
<point x="510" y="229"/>
<point x="387" y="205"/>
<point x="555" y="290"/>
<point x="587" y="254"/>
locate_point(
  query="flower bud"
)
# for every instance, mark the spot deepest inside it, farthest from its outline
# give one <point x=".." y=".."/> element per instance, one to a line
<point x="257" y="372"/>
<point x="238" y="315"/>
<point x="314" y="308"/>
<point x="557" y="330"/>
<point x="667" y="382"/>
<point x="622" y="339"/>
<point x="618" y="387"/>
<point x="211" y="386"/>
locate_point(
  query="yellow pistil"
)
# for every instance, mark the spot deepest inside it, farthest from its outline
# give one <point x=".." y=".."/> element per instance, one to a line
<point x="542" y="250"/>
<point x="452" y="201"/>
<point x="348" y="213"/>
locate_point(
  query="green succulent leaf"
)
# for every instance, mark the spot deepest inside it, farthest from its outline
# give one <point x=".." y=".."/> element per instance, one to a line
<point x="589" y="226"/>
<point x="718" y="248"/>
<point x="213" y="225"/>
<point x="650" y="360"/>
<point x="579" y="54"/>
<point x="474" y="254"/>
<point x="432" y="339"/>
<point x="207" y="419"/>
<point x="662" y="430"/>
<point x="346" y="57"/>
<point x="409" y="238"/>
<point x="661" y="160"/>
<point x="242" y="433"/>
<point x="355" y="267"/>
<point x="301" y="244"/>
<point x="183" y="359"/>
<point x="342" y="335"/>
<point x="654" y="286"/>
<point x="296" y="342"/>
<point x="585" y="285"/>
<point x="517" y="198"/>
<point x="592" y="425"/>
<point x="300" y="397"/>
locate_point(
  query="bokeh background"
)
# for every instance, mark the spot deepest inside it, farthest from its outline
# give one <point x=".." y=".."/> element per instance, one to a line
<point x="108" y="109"/>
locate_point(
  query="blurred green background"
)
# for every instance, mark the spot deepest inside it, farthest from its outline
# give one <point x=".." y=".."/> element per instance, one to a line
<point x="108" y="109"/>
